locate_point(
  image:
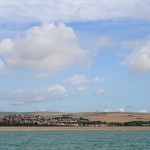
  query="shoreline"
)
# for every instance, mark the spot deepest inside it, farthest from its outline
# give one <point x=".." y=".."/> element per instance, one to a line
<point x="19" y="128"/>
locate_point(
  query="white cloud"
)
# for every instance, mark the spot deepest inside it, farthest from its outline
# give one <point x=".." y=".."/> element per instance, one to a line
<point x="111" y="110"/>
<point x="57" y="91"/>
<point x="105" y="93"/>
<point x="108" y="110"/>
<point x="43" y="110"/>
<point x="121" y="110"/>
<point x="99" y="79"/>
<point x="68" y="10"/>
<point x="3" y="70"/>
<point x="139" y="59"/>
<point x="47" y="47"/>
<point x="6" y="46"/>
<point x="100" y="92"/>
<point x="42" y="75"/>
<point x="143" y="111"/>
<point x="82" y="79"/>
<point x="18" y="97"/>
<point x="82" y="89"/>
<point x="77" y="79"/>
<point x="141" y="9"/>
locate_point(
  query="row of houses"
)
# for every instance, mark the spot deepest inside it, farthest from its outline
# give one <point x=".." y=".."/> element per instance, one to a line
<point x="47" y="121"/>
<point x="43" y="120"/>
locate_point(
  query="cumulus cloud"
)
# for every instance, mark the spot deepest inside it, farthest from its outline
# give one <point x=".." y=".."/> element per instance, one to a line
<point x="100" y="92"/>
<point x="111" y="110"/>
<point x="106" y="93"/>
<point x="42" y="75"/>
<point x="139" y="59"/>
<point x="143" y="111"/>
<point x="6" y="46"/>
<point x="82" y="89"/>
<point x="19" y="97"/>
<point x="3" y="69"/>
<point x="108" y="110"/>
<point x="47" y="47"/>
<point x="79" y="10"/>
<point x="121" y="110"/>
<point x="77" y="79"/>
<point x="141" y="9"/>
<point x="82" y="79"/>
<point x="99" y="79"/>
<point x="57" y="91"/>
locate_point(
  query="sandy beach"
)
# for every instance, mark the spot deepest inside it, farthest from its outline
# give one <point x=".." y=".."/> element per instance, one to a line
<point x="71" y="128"/>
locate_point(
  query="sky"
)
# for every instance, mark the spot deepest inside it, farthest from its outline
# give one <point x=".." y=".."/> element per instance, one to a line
<point x="75" y="56"/>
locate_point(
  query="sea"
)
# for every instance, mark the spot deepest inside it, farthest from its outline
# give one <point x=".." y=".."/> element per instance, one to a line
<point x="74" y="140"/>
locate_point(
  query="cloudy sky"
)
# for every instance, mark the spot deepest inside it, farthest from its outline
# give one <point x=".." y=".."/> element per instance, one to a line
<point x="75" y="56"/>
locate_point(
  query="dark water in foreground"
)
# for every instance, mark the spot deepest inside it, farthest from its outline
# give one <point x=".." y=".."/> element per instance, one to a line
<point x="74" y="140"/>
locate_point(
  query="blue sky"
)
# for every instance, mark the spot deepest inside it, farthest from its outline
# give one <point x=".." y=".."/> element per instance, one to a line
<point x="75" y="56"/>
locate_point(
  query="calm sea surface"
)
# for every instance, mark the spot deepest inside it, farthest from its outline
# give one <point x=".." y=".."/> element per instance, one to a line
<point x="74" y="140"/>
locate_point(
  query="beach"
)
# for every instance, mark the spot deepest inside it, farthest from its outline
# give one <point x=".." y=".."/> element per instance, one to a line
<point x="19" y="128"/>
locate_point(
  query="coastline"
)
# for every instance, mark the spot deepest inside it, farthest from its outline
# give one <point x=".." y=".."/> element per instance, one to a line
<point x="19" y="128"/>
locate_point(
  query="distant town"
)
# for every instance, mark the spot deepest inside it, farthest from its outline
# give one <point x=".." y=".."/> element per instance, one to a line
<point x="64" y="120"/>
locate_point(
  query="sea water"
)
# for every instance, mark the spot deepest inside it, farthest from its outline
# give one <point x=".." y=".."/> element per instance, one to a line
<point x="74" y="140"/>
